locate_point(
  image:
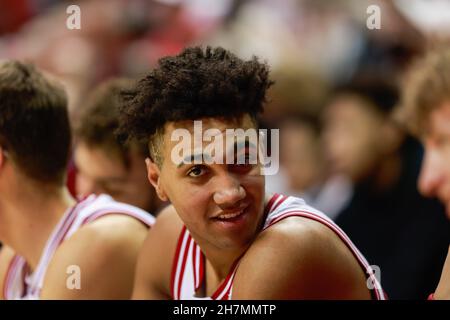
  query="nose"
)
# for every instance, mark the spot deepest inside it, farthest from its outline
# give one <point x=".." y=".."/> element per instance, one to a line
<point x="229" y="192"/>
<point x="431" y="174"/>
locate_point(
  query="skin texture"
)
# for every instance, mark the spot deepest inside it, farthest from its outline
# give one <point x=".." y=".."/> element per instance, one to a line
<point x="443" y="288"/>
<point x="434" y="179"/>
<point x="107" y="260"/>
<point x="305" y="259"/>
<point x="357" y="137"/>
<point x="100" y="171"/>
<point x="106" y="250"/>
<point x="300" y="144"/>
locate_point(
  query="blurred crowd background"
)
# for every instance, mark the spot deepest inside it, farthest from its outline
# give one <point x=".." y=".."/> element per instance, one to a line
<point x="337" y="83"/>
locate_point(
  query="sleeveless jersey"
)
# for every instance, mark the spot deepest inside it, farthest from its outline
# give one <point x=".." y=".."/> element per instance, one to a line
<point x="189" y="261"/>
<point x="20" y="284"/>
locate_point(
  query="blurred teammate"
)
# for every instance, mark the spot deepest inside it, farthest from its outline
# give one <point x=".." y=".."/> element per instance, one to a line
<point x="103" y="164"/>
<point x="48" y="236"/>
<point x="223" y="237"/>
<point x="426" y="112"/>
<point x="383" y="163"/>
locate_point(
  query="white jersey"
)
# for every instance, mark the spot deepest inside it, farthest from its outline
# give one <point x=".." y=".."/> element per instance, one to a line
<point x="189" y="261"/>
<point x="20" y="284"/>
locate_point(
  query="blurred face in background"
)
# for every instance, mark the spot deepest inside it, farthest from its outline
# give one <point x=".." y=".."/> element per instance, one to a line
<point x="352" y="136"/>
<point x="434" y="179"/>
<point x="301" y="155"/>
<point x="102" y="171"/>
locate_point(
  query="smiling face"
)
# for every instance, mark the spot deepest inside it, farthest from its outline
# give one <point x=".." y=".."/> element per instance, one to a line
<point x="221" y="204"/>
<point x="434" y="179"/>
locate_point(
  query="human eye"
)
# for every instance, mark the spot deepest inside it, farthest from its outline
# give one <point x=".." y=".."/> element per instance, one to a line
<point x="196" y="171"/>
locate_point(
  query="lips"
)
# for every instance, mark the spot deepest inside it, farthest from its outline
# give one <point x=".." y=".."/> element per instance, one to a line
<point x="231" y="214"/>
<point x="226" y="216"/>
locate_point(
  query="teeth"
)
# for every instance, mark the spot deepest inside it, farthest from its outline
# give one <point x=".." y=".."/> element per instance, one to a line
<point x="230" y="215"/>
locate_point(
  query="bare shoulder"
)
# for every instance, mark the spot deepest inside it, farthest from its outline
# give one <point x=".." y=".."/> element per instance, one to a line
<point x="104" y="252"/>
<point x="299" y="258"/>
<point x="6" y="256"/>
<point x="153" y="275"/>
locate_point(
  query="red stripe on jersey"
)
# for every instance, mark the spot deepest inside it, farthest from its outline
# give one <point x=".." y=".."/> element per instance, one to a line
<point x="26" y="270"/>
<point x="70" y="219"/>
<point x="334" y="228"/>
<point x="194" y="266"/>
<point x="183" y="264"/>
<point x="73" y="216"/>
<point x="223" y="285"/>
<point x="104" y="212"/>
<point x="60" y="235"/>
<point x="279" y="202"/>
<point x="202" y="270"/>
<point x="270" y="203"/>
<point x="9" y="272"/>
<point x="175" y="261"/>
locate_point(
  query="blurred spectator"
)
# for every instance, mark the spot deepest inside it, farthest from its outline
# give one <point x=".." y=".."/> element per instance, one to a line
<point x="304" y="166"/>
<point x="295" y="103"/>
<point x="104" y="165"/>
<point x="403" y="233"/>
<point x="301" y="153"/>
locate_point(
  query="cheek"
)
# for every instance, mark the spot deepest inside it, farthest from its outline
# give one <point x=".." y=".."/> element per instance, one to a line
<point x="191" y="201"/>
<point x="255" y="188"/>
<point x="446" y="154"/>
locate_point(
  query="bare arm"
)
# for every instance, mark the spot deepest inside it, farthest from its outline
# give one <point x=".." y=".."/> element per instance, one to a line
<point x="299" y="260"/>
<point x="155" y="260"/>
<point x="102" y="256"/>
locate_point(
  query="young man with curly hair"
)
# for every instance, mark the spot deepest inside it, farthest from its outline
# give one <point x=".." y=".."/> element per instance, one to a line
<point x="223" y="237"/>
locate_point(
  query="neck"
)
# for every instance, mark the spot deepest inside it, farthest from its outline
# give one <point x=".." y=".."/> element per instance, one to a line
<point x="27" y="219"/>
<point x="220" y="260"/>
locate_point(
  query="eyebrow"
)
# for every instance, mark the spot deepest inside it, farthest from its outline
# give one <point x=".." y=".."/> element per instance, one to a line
<point x="236" y="146"/>
<point x="191" y="158"/>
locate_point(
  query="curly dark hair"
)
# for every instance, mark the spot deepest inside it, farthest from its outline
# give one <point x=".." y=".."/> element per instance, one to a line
<point x="198" y="83"/>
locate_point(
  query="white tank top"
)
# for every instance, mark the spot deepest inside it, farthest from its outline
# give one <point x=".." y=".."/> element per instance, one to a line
<point x="189" y="261"/>
<point x="20" y="284"/>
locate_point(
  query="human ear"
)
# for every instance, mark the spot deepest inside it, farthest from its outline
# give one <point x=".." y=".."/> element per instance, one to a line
<point x="154" y="176"/>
